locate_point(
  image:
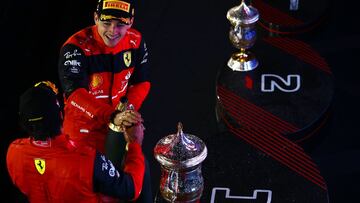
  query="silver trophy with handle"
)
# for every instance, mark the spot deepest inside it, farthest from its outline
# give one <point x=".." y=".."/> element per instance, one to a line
<point x="242" y="35"/>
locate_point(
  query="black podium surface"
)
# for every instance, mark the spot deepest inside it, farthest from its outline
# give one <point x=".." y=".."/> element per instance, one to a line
<point x="289" y="94"/>
<point x="267" y="114"/>
<point x="252" y="176"/>
<point x="288" y="17"/>
<point x="257" y="176"/>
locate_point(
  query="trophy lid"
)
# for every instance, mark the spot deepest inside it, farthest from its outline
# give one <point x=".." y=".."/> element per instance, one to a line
<point x="242" y="14"/>
<point x="180" y="150"/>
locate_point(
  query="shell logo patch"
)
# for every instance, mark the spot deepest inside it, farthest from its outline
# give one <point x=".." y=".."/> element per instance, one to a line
<point x="127" y="58"/>
<point x="96" y="81"/>
<point x="40" y="165"/>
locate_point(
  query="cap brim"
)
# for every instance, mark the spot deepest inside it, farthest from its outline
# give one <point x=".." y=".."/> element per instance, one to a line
<point x="115" y="15"/>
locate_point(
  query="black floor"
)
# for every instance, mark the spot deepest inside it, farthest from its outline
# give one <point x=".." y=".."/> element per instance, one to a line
<point x="186" y="40"/>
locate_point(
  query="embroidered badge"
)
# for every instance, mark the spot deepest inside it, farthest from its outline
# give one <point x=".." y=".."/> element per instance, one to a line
<point x="40" y="165"/>
<point x="96" y="81"/>
<point x="127" y="58"/>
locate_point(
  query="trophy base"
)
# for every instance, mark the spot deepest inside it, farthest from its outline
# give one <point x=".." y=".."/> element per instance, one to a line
<point x="160" y="199"/>
<point x="242" y="62"/>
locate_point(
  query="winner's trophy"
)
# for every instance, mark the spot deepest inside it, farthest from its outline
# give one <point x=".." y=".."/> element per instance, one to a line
<point x="243" y="35"/>
<point x="180" y="156"/>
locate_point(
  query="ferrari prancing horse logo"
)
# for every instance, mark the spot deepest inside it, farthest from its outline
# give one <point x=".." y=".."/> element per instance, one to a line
<point x="40" y="165"/>
<point x="127" y="58"/>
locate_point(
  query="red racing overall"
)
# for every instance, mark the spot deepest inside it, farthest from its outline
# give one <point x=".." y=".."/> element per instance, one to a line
<point x="94" y="77"/>
<point x="58" y="171"/>
<point x="57" y="182"/>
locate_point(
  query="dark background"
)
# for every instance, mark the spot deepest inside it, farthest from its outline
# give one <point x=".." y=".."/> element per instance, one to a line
<point x="186" y="40"/>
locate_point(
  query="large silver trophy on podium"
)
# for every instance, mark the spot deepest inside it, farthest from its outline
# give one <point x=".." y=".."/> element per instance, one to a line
<point x="180" y="156"/>
<point x="242" y="35"/>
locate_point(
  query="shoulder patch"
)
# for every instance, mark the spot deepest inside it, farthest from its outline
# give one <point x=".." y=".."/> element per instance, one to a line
<point x="40" y="165"/>
<point x="127" y="58"/>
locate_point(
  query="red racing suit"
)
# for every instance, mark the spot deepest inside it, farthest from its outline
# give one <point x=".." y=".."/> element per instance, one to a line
<point x="58" y="171"/>
<point x="94" y="77"/>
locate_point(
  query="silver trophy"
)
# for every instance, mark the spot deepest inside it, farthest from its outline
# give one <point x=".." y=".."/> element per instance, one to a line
<point x="242" y="35"/>
<point x="180" y="156"/>
<point x="294" y="5"/>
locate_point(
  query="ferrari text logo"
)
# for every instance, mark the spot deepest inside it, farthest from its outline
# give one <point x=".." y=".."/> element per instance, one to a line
<point x="40" y="165"/>
<point x="127" y="58"/>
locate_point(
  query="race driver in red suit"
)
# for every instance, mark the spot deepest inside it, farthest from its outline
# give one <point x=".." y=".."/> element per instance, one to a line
<point x="49" y="167"/>
<point x="98" y="65"/>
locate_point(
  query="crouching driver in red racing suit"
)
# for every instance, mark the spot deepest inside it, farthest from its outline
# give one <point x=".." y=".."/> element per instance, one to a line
<point x="49" y="167"/>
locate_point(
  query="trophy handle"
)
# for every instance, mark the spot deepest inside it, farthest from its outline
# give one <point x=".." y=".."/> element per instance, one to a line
<point x="173" y="185"/>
